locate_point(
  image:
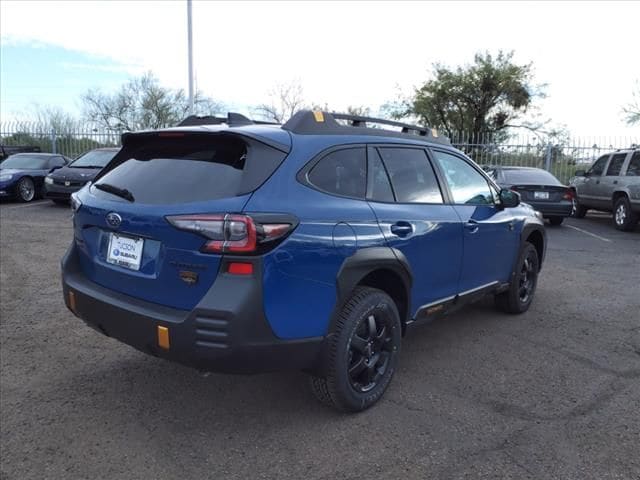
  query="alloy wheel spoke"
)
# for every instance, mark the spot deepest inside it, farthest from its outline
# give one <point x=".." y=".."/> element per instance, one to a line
<point x="373" y="330"/>
<point x="357" y="368"/>
<point x="359" y="343"/>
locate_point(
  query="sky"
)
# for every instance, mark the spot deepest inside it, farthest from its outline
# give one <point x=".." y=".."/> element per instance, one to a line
<point x="342" y="53"/>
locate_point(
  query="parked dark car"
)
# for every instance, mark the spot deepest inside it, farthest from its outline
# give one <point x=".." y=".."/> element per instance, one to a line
<point x="22" y="174"/>
<point x="537" y="187"/>
<point x="8" y="150"/>
<point x="312" y="246"/>
<point x="60" y="184"/>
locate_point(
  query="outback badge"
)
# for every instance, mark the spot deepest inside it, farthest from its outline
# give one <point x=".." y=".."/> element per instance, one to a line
<point x="190" y="278"/>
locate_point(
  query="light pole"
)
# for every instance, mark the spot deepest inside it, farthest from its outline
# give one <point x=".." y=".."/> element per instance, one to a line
<point x="190" y="47"/>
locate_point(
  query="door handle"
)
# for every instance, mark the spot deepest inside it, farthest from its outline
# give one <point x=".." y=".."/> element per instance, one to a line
<point x="597" y="182"/>
<point x="472" y="226"/>
<point x="615" y="182"/>
<point x="401" y="229"/>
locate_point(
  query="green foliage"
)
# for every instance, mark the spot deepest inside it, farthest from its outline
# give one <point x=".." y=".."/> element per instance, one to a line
<point x="632" y="110"/>
<point x="483" y="99"/>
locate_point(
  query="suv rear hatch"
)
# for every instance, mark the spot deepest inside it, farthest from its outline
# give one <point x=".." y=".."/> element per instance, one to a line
<point x="125" y="225"/>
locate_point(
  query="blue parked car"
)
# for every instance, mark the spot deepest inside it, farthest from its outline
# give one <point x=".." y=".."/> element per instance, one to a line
<point x="314" y="245"/>
<point x="22" y="174"/>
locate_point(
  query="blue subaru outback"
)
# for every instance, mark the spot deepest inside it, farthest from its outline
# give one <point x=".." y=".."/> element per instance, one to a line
<point x="234" y="246"/>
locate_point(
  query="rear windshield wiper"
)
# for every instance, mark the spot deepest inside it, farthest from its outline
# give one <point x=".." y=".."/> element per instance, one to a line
<point x="120" y="192"/>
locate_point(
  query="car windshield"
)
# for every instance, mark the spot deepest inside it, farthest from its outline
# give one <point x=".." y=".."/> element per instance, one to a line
<point x="25" y="162"/>
<point x="94" y="158"/>
<point x="529" y="176"/>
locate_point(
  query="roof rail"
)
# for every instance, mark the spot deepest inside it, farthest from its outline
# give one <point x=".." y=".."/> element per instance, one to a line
<point x="232" y="119"/>
<point x="324" y="123"/>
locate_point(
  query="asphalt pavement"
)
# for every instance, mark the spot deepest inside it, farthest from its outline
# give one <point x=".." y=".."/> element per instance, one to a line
<point x="550" y="394"/>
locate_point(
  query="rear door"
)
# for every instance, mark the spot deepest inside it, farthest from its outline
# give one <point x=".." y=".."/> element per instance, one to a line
<point x="610" y="181"/>
<point x="126" y="242"/>
<point x="491" y="239"/>
<point x="405" y="195"/>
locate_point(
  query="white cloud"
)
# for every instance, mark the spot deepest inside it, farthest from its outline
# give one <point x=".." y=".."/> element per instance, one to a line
<point x="350" y="53"/>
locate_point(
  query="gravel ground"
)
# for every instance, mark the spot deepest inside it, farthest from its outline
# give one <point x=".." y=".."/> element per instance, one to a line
<point x="553" y="393"/>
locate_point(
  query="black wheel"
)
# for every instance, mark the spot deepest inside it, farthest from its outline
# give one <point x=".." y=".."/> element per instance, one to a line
<point x="580" y="210"/>
<point x="25" y="189"/>
<point x="362" y="352"/>
<point x="523" y="283"/>
<point x="623" y="217"/>
<point x="555" y="220"/>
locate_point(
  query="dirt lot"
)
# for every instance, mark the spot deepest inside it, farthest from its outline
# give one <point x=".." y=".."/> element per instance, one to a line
<point x="554" y="393"/>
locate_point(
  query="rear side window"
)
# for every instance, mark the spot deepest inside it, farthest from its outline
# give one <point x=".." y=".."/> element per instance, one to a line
<point x="412" y="176"/>
<point x="192" y="168"/>
<point x="342" y="172"/>
<point x="633" y="170"/>
<point x="615" y="165"/>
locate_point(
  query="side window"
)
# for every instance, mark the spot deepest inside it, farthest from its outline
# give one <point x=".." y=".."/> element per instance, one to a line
<point x="412" y="176"/>
<point x="598" y="167"/>
<point x="615" y="165"/>
<point x="633" y="170"/>
<point x="342" y="172"/>
<point x="467" y="185"/>
<point x="56" y="162"/>
<point x="379" y="185"/>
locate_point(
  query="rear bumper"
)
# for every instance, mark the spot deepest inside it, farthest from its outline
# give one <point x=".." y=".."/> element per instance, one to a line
<point x="226" y="332"/>
<point x="559" y="209"/>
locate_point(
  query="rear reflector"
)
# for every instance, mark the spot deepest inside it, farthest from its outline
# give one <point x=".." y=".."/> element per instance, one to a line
<point x="240" y="268"/>
<point x="163" y="337"/>
<point x="72" y="301"/>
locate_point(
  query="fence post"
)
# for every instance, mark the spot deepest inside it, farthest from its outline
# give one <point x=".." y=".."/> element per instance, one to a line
<point x="547" y="157"/>
<point x="53" y="140"/>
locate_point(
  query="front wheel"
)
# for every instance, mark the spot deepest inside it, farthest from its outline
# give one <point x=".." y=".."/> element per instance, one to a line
<point x="26" y="189"/>
<point x="623" y="217"/>
<point x="579" y="211"/>
<point x="362" y="352"/>
<point x="523" y="282"/>
<point x="555" y="221"/>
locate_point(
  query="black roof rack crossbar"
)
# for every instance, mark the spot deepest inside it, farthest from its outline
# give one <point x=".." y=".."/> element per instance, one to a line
<point x="325" y="123"/>
<point x="232" y="119"/>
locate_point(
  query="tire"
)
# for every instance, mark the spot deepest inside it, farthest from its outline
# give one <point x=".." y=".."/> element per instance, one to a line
<point x="556" y="220"/>
<point x="366" y="340"/>
<point x="580" y="210"/>
<point x="25" y="189"/>
<point x="623" y="218"/>
<point x="518" y="298"/>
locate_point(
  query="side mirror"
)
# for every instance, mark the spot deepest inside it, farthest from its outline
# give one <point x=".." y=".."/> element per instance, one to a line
<point x="509" y="198"/>
<point x="580" y="173"/>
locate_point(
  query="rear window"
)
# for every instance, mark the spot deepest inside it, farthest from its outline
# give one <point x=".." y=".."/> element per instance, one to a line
<point x="192" y="168"/>
<point x="633" y="170"/>
<point x="94" y="159"/>
<point x="412" y="176"/>
<point x="529" y="177"/>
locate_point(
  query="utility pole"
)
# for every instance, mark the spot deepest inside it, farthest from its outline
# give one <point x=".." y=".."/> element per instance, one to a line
<point x="190" y="47"/>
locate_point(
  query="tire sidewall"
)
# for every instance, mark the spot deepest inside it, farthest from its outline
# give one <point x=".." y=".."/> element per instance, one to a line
<point x="526" y="251"/>
<point x="384" y="308"/>
<point x="622" y="201"/>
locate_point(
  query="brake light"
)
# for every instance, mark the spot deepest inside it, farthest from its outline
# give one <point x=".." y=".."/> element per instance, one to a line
<point x="568" y="195"/>
<point x="230" y="233"/>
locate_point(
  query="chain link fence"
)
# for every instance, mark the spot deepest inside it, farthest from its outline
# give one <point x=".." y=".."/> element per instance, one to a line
<point x="562" y="158"/>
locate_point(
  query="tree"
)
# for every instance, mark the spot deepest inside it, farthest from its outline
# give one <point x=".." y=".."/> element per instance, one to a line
<point x="284" y="101"/>
<point x="482" y="99"/>
<point x="142" y="103"/>
<point x="632" y="109"/>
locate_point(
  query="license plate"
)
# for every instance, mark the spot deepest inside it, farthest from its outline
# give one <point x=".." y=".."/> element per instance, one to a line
<point x="125" y="251"/>
<point x="541" y="195"/>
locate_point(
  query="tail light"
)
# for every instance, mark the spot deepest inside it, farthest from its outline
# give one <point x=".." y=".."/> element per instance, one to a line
<point x="568" y="194"/>
<point x="229" y="233"/>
